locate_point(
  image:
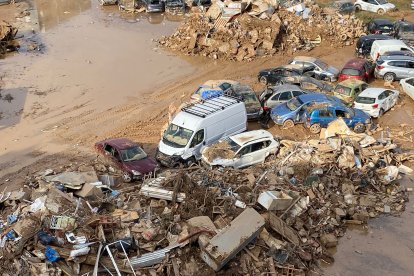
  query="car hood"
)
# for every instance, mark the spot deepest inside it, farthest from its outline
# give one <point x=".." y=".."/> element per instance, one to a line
<point x="361" y="115"/>
<point x="143" y="166"/>
<point x="333" y="70"/>
<point x="281" y="110"/>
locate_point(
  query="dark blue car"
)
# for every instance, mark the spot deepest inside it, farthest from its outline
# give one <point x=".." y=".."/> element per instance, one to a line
<point x="317" y="116"/>
<point x="290" y="113"/>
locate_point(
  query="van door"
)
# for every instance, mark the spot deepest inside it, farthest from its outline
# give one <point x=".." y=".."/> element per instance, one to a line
<point x="197" y="143"/>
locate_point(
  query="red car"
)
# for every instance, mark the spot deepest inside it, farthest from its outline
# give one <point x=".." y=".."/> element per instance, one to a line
<point x="129" y="157"/>
<point x="356" y="68"/>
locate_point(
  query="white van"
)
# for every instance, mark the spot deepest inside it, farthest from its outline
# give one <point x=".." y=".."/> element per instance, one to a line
<point x="379" y="47"/>
<point x="198" y="125"/>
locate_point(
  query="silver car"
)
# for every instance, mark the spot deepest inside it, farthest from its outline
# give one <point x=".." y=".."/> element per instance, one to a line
<point x="276" y="95"/>
<point x="322" y="70"/>
<point x="392" y="68"/>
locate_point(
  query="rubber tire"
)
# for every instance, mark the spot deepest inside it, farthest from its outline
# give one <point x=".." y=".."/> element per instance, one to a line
<point x="190" y="161"/>
<point x="315" y="128"/>
<point x="381" y="113"/>
<point x="126" y="177"/>
<point x="380" y="11"/>
<point x="360" y="128"/>
<point x="391" y="77"/>
<point x="263" y="80"/>
<point x="357" y="8"/>
<point x="288" y="123"/>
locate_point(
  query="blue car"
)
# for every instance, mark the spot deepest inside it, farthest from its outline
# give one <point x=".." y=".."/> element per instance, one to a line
<point x="317" y="116"/>
<point x="290" y="113"/>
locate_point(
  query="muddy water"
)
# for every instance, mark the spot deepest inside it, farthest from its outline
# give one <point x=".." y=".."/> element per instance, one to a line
<point x="93" y="59"/>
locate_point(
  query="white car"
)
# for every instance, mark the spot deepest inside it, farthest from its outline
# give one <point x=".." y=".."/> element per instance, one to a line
<point x="408" y="86"/>
<point x="376" y="101"/>
<point x="241" y="150"/>
<point x="378" y="6"/>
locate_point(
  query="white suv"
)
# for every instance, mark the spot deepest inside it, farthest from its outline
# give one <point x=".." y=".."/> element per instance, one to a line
<point x="241" y="150"/>
<point x="378" y="6"/>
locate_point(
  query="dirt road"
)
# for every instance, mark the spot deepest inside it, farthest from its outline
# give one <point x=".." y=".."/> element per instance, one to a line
<point x="101" y="75"/>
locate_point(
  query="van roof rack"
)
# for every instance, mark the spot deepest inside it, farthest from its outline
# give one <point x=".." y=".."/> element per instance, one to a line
<point x="203" y="108"/>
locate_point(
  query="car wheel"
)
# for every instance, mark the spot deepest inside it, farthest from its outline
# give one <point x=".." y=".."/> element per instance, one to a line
<point x="359" y="128"/>
<point x="390" y="77"/>
<point x="126" y="177"/>
<point x="263" y="80"/>
<point x="381" y="112"/>
<point x="288" y="123"/>
<point x="380" y="11"/>
<point x="357" y="8"/>
<point x="315" y="128"/>
<point x="190" y="161"/>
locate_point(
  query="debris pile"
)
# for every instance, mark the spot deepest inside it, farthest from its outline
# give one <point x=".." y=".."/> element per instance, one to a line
<point x="7" y="36"/>
<point x="244" y="32"/>
<point x="278" y="217"/>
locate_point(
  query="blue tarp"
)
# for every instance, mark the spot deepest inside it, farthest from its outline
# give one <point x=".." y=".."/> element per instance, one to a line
<point x="211" y="93"/>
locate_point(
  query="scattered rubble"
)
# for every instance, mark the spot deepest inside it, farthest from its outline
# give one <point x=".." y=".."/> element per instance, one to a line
<point x="279" y="216"/>
<point x="247" y="30"/>
<point x="7" y="38"/>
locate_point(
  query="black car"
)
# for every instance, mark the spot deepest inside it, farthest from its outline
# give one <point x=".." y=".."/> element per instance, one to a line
<point x="404" y="30"/>
<point x="277" y="75"/>
<point x="380" y="26"/>
<point x="364" y="43"/>
<point x="245" y="93"/>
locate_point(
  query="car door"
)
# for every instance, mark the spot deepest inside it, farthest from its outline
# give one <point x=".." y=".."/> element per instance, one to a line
<point x="393" y="98"/>
<point x="342" y="113"/>
<point x="285" y="96"/>
<point x="243" y="157"/>
<point x="259" y="152"/>
<point x="382" y="102"/>
<point x="325" y="116"/>
<point x="113" y="155"/>
<point x="197" y="143"/>
<point x="273" y="101"/>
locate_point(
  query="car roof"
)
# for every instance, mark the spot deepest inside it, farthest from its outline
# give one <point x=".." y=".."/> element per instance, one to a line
<point x="120" y="143"/>
<point x="351" y="83"/>
<point x="285" y="87"/>
<point x="372" y="92"/>
<point x="401" y="57"/>
<point x="382" y="21"/>
<point x="250" y="136"/>
<point x="355" y="63"/>
<point x="391" y="42"/>
<point x="305" y="58"/>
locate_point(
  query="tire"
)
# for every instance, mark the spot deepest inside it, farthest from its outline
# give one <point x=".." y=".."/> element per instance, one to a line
<point x="389" y="77"/>
<point x="126" y="177"/>
<point x="359" y="128"/>
<point x="288" y="123"/>
<point x="263" y="80"/>
<point x="357" y="8"/>
<point x="380" y="11"/>
<point x="190" y="161"/>
<point x="315" y="128"/>
<point x="381" y="113"/>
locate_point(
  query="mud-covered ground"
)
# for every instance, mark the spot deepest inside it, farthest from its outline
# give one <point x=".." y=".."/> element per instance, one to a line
<point x="99" y="74"/>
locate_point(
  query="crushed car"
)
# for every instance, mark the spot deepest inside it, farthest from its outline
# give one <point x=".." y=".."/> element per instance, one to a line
<point x="275" y="76"/>
<point x="245" y="93"/>
<point x="128" y="157"/>
<point x="309" y="83"/>
<point x="376" y="101"/>
<point x="349" y="89"/>
<point x="322" y="71"/>
<point x="241" y="150"/>
<point x="290" y="113"/>
<point x="318" y="116"/>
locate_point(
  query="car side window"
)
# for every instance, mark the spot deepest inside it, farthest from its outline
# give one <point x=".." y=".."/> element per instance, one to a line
<point x="357" y="90"/>
<point x="296" y="93"/>
<point x="341" y="114"/>
<point x="285" y="96"/>
<point x="411" y="64"/>
<point x="387" y="93"/>
<point x="325" y="113"/>
<point x="198" y="138"/>
<point x="275" y="97"/>
<point x="246" y="150"/>
<point x="224" y="86"/>
<point x="364" y="86"/>
<point x="398" y="63"/>
<point x="381" y="96"/>
<point x="109" y="149"/>
<point x="259" y="145"/>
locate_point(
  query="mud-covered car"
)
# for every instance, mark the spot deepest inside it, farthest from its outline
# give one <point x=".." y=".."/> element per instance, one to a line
<point x="276" y="75"/>
<point x="212" y="88"/>
<point x="321" y="70"/>
<point x="245" y="93"/>
<point x="128" y="157"/>
<point x="241" y="150"/>
<point x="349" y="89"/>
<point x="309" y="84"/>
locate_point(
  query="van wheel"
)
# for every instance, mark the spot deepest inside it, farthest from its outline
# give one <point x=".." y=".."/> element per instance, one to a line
<point x="126" y="177"/>
<point x="390" y="77"/>
<point x="263" y="80"/>
<point x="380" y="11"/>
<point x="359" y="128"/>
<point x="357" y="8"/>
<point x="288" y="123"/>
<point x="315" y="128"/>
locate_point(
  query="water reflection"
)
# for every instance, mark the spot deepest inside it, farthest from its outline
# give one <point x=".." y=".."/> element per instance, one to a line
<point x="53" y="12"/>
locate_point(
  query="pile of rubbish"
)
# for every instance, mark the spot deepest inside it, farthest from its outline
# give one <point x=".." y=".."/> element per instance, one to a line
<point x="247" y="30"/>
<point x="7" y="38"/>
<point x="279" y="217"/>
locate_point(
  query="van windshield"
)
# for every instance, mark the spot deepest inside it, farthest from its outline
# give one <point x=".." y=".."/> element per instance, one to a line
<point x="177" y="136"/>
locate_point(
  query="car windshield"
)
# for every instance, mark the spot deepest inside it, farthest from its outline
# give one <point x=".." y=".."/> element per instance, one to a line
<point x="382" y="2"/>
<point x="177" y="136"/>
<point x="321" y="64"/>
<point x="133" y="154"/>
<point x="232" y="145"/>
<point x="343" y="90"/>
<point x="385" y="27"/>
<point x="350" y="72"/>
<point x="294" y="104"/>
<point x="365" y="100"/>
<point x="249" y="98"/>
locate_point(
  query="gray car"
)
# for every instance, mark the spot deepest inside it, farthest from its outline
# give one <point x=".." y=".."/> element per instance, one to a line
<point x="321" y="70"/>
<point x="276" y="95"/>
<point x="392" y="68"/>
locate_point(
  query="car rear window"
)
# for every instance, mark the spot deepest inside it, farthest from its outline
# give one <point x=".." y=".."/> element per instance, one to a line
<point x="385" y="28"/>
<point x="343" y="90"/>
<point x="350" y="72"/>
<point x="365" y="100"/>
